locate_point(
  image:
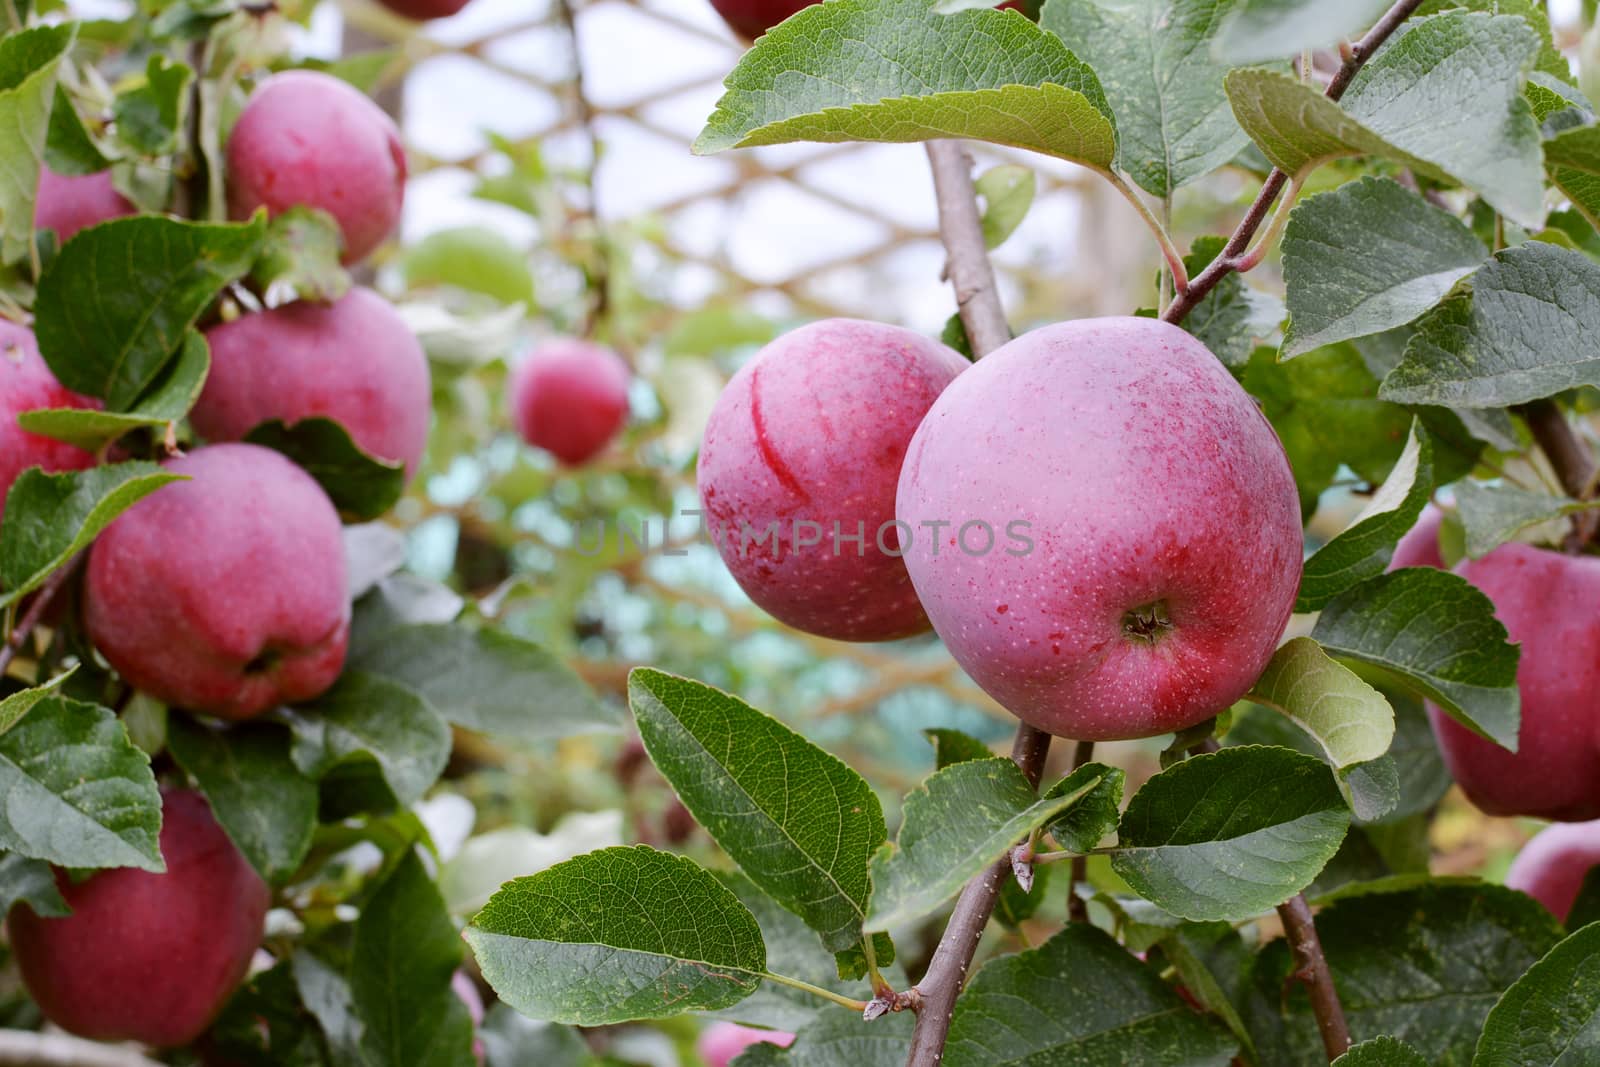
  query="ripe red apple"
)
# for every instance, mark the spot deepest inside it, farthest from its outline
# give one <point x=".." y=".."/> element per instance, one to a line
<point x="26" y="384"/>
<point x="721" y="1043"/>
<point x="1163" y="527"/>
<point x="1420" y="546"/>
<point x="226" y="593"/>
<point x="570" y="398"/>
<point x="1547" y="602"/>
<point x="69" y="203"/>
<point x="148" y="957"/>
<point x="309" y="138"/>
<point x="423" y="10"/>
<point x="353" y="361"/>
<point x="808" y="438"/>
<point x="1552" y="866"/>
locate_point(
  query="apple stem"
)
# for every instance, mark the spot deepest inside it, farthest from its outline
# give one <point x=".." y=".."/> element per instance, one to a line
<point x="1312" y="969"/>
<point x="1233" y="255"/>
<point x="41" y="603"/>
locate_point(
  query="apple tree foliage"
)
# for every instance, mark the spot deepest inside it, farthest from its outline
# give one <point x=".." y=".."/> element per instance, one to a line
<point x="1441" y="273"/>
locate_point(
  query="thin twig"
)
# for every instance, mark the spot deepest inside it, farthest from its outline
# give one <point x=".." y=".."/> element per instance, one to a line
<point x="935" y="996"/>
<point x="1312" y="969"/>
<point x="1077" y="907"/>
<point x="1230" y="259"/>
<point x="968" y="266"/>
<point x="1572" y="459"/>
<point x="36" y="611"/>
<point x="26" y="1048"/>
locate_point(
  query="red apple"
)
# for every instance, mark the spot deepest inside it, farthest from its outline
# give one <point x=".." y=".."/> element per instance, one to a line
<point x="808" y="437"/>
<point x="309" y="138"/>
<point x="1552" y="866"/>
<point x="721" y="1043"/>
<point x="570" y="398"/>
<point x="26" y="384"/>
<point x="752" y="18"/>
<point x="1547" y="602"/>
<point x="1162" y="529"/>
<point x="353" y="361"/>
<point x="224" y="594"/>
<point x="423" y="10"/>
<point x="1420" y="546"/>
<point x="148" y="957"/>
<point x="69" y="203"/>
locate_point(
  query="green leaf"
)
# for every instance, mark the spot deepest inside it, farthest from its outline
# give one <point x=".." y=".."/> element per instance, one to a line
<point x="405" y="953"/>
<point x="1324" y="406"/>
<point x="1435" y="635"/>
<point x="475" y="259"/>
<point x="839" y="1039"/>
<point x="30" y="882"/>
<point x="29" y="63"/>
<point x="15" y="706"/>
<point x="1572" y="159"/>
<point x="510" y="1039"/>
<point x="325" y="992"/>
<point x="956" y="823"/>
<point x="1080" y="998"/>
<point x="655" y="936"/>
<point x="360" y="485"/>
<point x="1551" y="1015"/>
<point x="1523" y="331"/>
<point x="1230" y="834"/>
<point x="78" y="792"/>
<point x="852" y="964"/>
<point x="1259" y="30"/>
<point x="1550" y="61"/>
<point x="49" y="518"/>
<point x="1153" y="59"/>
<point x="1586" y="908"/>
<point x="802" y="824"/>
<point x="301" y="256"/>
<point x="895" y="70"/>
<point x="486" y="680"/>
<point x="68" y="148"/>
<point x="1363" y="549"/>
<point x="168" y="400"/>
<point x="267" y="807"/>
<point x="1351" y="721"/>
<point x="953" y="746"/>
<point x="149" y="115"/>
<point x="1196" y="954"/>
<point x="1424" y="964"/>
<point x="1007" y="192"/>
<point x="1443" y="97"/>
<point x="1381" y="1052"/>
<point x="794" y="951"/>
<point x="1094" y="814"/>
<point x="118" y="299"/>
<point x="1493" y="515"/>
<point x="367" y="719"/>
<point x="1367" y="257"/>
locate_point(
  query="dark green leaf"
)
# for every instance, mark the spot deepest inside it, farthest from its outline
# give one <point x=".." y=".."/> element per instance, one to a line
<point x="368" y="719"/>
<point x="326" y="995"/>
<point x="484" y="679"/>
<point x="68" y="148"/>
<point x="261" y="799"/>
<point x="1094" y="815"/>
<point x="1435" y="635"/>
<point x="839" y="1039"/>
<point x="802" y="824"/>
<point x="78" y="792"/>
<point x="1524" y="331"/>
<point x="150" y="114"/>
<point x="953" y="746"/>
<point x="1080" y="999"/>
<point x="1363" y="549"/>
<point x="29" y="63"/>
<point x="1153" y="58"/>
<point x="956" y="823"/>
<point x="301" y="255"/>
<point x="895" y="70"/>
<point x="406" y="951"/>
<point x="1230" y="317"/>
<point x="168" y="400"/>
<point x="1551" y="1015"/>
<point x="30" y="882"/>
<point x="116" y="302"/>
<point x="1367" y="257"/>
<point x="361" y="486"/>
<point x="655" y="936"/>
<point x="1230" y="834"/>
<point x="1381" y="1052"/>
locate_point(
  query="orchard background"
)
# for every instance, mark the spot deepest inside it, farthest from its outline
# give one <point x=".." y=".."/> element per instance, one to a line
<point x="1418" y="328"/>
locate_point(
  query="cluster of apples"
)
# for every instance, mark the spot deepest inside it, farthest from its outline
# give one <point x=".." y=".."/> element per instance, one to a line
<point x="224" y="594"/>
<point x="1096" y="519"/>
